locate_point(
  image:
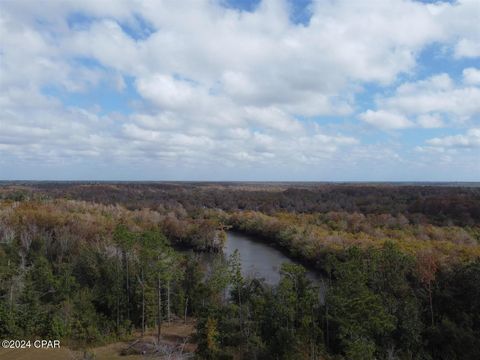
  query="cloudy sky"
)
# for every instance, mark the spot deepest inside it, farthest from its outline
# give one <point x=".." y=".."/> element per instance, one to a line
<point x="240" y="90"/>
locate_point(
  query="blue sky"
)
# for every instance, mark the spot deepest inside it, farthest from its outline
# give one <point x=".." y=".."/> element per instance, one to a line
<point x="240" y="90"/>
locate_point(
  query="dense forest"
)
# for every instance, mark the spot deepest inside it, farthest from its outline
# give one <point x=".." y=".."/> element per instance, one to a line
<point x="440" y="205"/>
<point x="94" y="263"/>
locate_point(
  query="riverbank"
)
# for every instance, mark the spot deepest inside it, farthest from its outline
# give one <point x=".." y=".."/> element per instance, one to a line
<point x="262" y="259"/>
<point x="311" y="238"/>
<point x="270" y="241"/>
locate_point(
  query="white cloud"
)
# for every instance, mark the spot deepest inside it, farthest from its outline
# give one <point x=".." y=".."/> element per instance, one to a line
<point x="471" y="76"/>
<point x="429" y="121"/>
<point x="167" y="92"/>
<point x="469" y="140"/>
<point x="467" y="48"/>
<point x="273" y="118"/>
<point x="40" y="128"/>
<point x="221" y="85"/>
<point x="434" y="98"/>
<point x="106" y="42"/>
<point x="460" y="21"/>
<point x="386" y="120"/>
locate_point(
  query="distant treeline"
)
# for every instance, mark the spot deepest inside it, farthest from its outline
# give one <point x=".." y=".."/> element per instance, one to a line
<point x="428" y="204"/>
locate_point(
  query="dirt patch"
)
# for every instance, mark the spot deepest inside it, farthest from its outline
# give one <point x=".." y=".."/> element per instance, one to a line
<point x="177" y="343"/>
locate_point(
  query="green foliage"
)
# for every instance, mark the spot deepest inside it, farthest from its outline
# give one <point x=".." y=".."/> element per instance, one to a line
<point x="262" y="322"/>
<point x="84" y="292"/>
<point x="89" y="273"/>
<point x="291" y="327"/>
<point x="192" y="285"/>
<point x="7" y="323"/>
<point x="86" y="322"/>
<point x="457" y="299"/>
<point x="356" y="309"/>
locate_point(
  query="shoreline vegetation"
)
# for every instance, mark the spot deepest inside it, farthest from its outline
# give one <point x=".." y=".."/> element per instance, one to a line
<point x="94" y="263"/>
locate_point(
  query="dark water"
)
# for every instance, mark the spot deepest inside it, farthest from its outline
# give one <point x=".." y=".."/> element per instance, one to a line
<point x="259" y="259"/>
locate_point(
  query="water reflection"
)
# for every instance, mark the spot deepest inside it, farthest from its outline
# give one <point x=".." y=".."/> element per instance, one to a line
<point x="259" y="259"/>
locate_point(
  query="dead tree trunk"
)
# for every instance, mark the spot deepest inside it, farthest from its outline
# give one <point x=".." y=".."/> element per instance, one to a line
<point x="168" y="301"/>
<point x="159" y="309"/>
<point x="431" y="302"/>
<point x="118" y="290"/>
<point x="186" y="306"/>
<point x="142" y="284"/>
<point x="127" y="286"/>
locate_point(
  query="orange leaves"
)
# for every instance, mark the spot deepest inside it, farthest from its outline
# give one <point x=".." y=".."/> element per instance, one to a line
<point x="313" y="234"/>
<point x="427" y="266"/>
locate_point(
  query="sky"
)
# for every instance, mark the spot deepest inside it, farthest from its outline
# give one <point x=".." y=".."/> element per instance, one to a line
<point x="252" y="90"/>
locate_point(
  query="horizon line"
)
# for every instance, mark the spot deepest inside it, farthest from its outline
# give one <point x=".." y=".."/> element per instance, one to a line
<point x="244" y="181"/>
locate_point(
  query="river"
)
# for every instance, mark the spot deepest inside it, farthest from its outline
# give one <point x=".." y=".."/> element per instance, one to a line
<point x="261" y="260"/>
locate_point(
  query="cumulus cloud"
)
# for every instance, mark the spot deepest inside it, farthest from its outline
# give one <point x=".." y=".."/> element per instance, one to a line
<point x="40" y="128"/>
<point x="386" y="120"/>
<point x="429" y="121"/>
<point x="168" y="92"/>
<point x="467" y="48"/>
<point x="432" y="99"/>
<point x="435" y="94"/>
<point x="471" y="76"/>
<point x="214" y="84"/>
<point x="471" y="139"/>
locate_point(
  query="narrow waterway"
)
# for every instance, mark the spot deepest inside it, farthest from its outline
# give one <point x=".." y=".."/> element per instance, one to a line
<point x="261" y="260"/>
